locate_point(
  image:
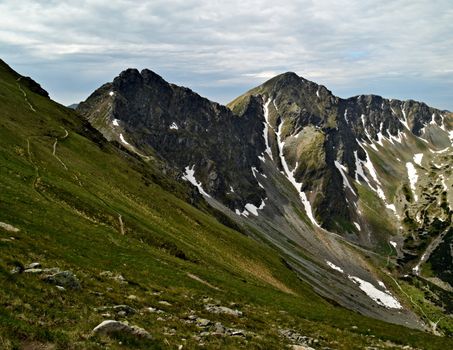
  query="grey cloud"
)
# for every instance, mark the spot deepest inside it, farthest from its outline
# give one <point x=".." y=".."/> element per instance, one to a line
<point x="223" y="48"/>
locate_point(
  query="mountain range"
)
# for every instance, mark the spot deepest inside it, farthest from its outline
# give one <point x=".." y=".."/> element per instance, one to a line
<point x="314" y="215"/>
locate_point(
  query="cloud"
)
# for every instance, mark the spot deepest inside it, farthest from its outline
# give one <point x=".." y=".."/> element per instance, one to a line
<point x="207" y="45"/>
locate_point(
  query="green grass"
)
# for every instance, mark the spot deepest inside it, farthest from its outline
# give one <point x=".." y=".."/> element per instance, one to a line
<point x="69" y="219"/>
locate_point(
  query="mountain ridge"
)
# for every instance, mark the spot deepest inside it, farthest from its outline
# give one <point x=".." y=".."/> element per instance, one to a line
<point x="309" y="160"/>
<point x="147" y="248"/>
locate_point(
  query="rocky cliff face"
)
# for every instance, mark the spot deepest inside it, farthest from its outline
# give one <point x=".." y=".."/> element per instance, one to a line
<point x="197" y="136"/>
<point x="292" y="161"/>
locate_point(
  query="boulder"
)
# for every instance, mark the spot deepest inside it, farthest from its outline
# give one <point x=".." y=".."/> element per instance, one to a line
<point x="223" y="310"/>
<point x="109" y="327"/>
<point x="65" y="279"/>
<point x="34" y="265"/>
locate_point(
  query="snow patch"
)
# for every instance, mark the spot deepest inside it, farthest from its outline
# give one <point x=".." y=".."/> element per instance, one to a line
<point x="372" y="171"/>
<point x="383" y="298"/>
<point x="290" y="176"/>
<point x="346" y="116"/>
<point x="123" y="140"/>
<point x="111" y="93"/>
<point x="404" y="122"/>
<point x="254" y="209"/>
<point x="115" y="122"/>
<point x="416" y="269"/>
<point x="356" y="224"/>
<point x="343" y="171"/>
<point x="393" y="244"/>
<point x="190" y="176"/>
<point x="418" y="158"/>
<point x="441" y="151"/>
<point x="333" y="266"/>
<point x="413" y="178"/>
<point x="174" y="126"/>
<point x="266" y="130"/>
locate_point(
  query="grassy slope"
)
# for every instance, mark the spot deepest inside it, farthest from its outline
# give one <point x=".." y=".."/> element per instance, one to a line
<point x="69" y="219"/>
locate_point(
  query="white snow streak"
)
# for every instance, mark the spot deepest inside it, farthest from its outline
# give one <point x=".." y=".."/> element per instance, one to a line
<point x="372" y="171"/>
<point x="413" y="177"/>
<point x="393" y="244"/>
<point x="346" y="116"/>
<point x="383" y="298"/>
<point x="343" y="171"/>
<point x="404" y="122"/>
<point x="356" y="224"/>
<point x="290" y="176"/>
<point x="174" y="126"/>
<point x="266" y="130"/>
<point x="123" y="140"/>
<point x="190" y="176"/>
<point x="115" y="122"/>
<point x="333" y="266"/>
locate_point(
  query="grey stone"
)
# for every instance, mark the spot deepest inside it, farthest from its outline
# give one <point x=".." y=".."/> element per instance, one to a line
<point x="124" y="308"/>
<point x="202" y="322"/>
<point x="65" y="279"/>
<point x="109" y="327"/>
<point x="219" y="328"/>
<point x="223" y="310"/>
<point x="33" y="271"/>
<point x="34" y="265"/>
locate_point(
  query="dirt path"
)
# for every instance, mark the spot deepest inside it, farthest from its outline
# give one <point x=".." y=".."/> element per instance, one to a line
<point x="25" y="95"/>
<point x="431" y="323"/>
<point x="54" y="150"/>
<point x="30" y="159"/>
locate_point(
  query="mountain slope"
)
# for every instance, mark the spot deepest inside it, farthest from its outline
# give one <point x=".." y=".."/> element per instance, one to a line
<point x="322" y="179"/>
<point x="73" y="201"/>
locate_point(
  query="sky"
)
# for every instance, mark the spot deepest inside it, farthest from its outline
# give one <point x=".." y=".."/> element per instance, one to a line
<point x="220" y="49"/>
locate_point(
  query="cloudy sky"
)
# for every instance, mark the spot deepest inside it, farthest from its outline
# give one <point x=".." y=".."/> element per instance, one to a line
<point x="395" y="48"/>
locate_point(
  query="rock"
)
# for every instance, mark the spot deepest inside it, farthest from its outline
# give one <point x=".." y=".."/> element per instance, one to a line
<point x="109" y="327"/>
<point x="132" y="297"/>
<point x="122" y="313"/>
<point x="118" y="277"/>
<point x="124" y="308"/>
<point x="202" y="322"/>
<point x="52" y="270"/>
<point x="301" y="347"/>
<point x="61" y="288"/>
<point x="33" y="271"/>
<point x="223" y="310"/>
<point x="163" y="302"/>
<point x="34" y="265"/>
<point x="237" y="332"/>
<point x="8" y="227"/>
<point x="154" y="310"/>
<point x="219" y="328"/>
<point x="65" y="279"/>
<point x="16" y="269"/>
